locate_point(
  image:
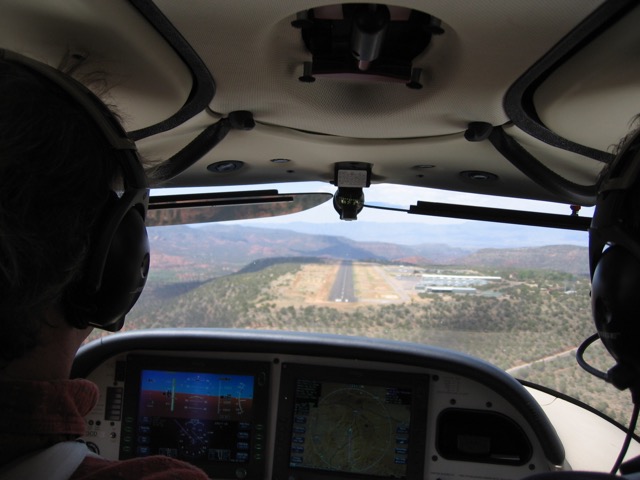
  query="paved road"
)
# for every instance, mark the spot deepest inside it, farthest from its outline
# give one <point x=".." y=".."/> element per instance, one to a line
<point x="342" y="289"/>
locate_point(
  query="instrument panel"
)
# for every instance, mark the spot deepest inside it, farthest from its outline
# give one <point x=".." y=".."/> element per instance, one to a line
<point x="263" y="405"/>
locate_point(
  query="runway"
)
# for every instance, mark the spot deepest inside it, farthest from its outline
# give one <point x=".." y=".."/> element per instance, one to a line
<point x="343" y="288"/>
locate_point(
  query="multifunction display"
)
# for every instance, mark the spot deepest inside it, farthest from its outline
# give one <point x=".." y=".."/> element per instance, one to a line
<point x="349" y="422"/>
<point x="212" y="415"/>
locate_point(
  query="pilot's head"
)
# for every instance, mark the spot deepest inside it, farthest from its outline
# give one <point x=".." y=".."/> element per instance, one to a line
<point x="614" y="256"/>
<point x="73" y="198"/>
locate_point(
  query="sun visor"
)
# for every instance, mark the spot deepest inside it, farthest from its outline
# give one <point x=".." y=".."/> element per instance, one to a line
<point x="146" y="77"/>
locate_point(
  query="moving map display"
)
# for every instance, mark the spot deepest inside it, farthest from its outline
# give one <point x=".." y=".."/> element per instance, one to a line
<point x="353" y="427"/>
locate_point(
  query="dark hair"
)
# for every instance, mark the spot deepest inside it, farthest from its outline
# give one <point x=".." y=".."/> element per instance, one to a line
<point x="56" y="172"/>
<point x="628" y="209"/>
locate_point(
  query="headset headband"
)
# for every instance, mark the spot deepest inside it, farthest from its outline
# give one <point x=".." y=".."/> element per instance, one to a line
<point x="621" y="177"/>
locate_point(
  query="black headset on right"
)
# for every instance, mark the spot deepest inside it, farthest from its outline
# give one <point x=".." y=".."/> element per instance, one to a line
<point x="614" y="261"/>
<point x="118" y="261"/>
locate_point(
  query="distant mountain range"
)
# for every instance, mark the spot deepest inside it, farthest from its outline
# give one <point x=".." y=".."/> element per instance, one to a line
<point x="467" y="235"/>
<point x="232" y="247"/>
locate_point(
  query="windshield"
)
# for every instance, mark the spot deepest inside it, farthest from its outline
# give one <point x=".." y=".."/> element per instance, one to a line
<point x="515" y="296"/>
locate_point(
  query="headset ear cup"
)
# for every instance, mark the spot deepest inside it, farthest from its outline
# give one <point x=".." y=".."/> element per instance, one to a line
<point x="125" y="272"/>
<point x="615" y="304"/>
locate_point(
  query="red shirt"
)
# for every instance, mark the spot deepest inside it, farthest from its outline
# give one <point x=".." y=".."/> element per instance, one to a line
<point x="35" y="415"/>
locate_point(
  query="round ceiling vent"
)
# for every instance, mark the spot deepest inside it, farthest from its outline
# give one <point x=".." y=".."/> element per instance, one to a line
<point x="479" y="176"/>
<point x="225" y="166"/>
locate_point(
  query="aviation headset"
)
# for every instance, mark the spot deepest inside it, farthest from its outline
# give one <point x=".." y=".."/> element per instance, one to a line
<point x="118" y="261"/>
<point x="614" y="261"/>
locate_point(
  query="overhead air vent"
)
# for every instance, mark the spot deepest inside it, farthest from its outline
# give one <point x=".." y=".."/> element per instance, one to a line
<point x="371" y="41"/>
